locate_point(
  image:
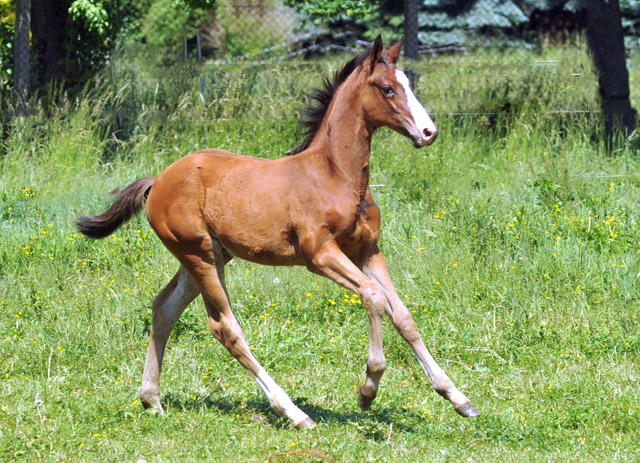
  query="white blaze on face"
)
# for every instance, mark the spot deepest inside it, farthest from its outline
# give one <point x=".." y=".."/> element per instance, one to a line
<point x="421" y="119"/>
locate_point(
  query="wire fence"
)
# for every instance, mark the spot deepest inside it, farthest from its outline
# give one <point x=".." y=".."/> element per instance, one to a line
<point x="256" y="34"/>
<point x="243" y="29"/>
<point x="231" y="29"/>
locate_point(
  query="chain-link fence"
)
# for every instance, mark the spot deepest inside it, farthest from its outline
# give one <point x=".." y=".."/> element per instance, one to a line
<point x="230" y="29"/>
<point x="256" y="34"/>
<point x="241" y="29"/>
<point x="226" y="35"/>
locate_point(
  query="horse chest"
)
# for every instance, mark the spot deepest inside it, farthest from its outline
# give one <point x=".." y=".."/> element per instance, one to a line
<point x="360" y="228"/>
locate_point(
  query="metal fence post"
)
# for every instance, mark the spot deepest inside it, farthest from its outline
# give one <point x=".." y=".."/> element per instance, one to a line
<point x="21" y="65"/>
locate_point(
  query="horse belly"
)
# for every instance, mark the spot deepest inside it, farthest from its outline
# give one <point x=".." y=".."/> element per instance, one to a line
<point x="266" y="250"/>
<point x="253" y="232"/>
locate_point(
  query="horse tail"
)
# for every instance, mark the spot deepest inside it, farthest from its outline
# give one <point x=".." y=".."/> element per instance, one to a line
<point x="129" y="202"/>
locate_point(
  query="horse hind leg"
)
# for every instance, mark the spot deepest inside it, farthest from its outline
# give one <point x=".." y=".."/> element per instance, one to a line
<point x="167" y="308"/>
<point x="208" y="272"/>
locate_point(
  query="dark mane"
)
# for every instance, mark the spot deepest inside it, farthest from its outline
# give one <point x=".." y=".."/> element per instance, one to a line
<point x="313" y="114"/>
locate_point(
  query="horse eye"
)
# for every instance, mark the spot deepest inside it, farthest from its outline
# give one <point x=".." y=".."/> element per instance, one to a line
<point x="387" y="90"/>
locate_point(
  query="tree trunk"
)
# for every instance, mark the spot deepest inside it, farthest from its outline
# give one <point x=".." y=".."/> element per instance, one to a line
<point x="411" y="9"/>
<point x="606" y="40"/>
<point x="21" y="55"/>
<point x="48" y="21"/>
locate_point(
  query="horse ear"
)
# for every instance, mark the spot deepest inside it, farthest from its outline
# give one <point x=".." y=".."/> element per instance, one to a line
<point x="394" y="52"/>
<point x="377" y="51"/>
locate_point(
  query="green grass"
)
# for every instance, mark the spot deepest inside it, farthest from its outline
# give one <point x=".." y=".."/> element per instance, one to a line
<point x="513" y="240"/>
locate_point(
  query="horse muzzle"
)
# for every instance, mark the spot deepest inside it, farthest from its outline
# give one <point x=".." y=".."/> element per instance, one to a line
<point x="427" y="137"/>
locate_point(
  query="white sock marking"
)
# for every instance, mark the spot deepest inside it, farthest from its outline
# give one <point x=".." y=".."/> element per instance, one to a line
<point x="279" y="399"/>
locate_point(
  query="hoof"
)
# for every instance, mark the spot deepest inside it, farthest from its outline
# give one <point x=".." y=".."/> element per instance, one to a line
<point x="468" y="410"/>
<point x="155" y="410"/>
<point x="153" y="406"/>
<point x="364" y="403"/>
<point x="307" y="423"/>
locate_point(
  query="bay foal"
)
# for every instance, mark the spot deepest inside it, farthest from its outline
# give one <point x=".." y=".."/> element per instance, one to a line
<point x="312" y="208"/>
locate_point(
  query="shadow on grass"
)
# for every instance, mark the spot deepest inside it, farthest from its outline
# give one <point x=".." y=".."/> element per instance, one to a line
<point x="374" y="425"/>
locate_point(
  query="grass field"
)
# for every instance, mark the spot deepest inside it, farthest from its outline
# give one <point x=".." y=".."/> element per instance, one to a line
<point x="514" y="240"/>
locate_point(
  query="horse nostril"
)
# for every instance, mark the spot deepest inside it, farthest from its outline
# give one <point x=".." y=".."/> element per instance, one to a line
<point x="430" y="134"/>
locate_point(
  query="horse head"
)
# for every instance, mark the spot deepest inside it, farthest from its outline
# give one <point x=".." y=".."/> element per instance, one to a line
<point x="389" y="99"/>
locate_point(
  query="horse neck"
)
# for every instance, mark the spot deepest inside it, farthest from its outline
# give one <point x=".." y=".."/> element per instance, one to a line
<point x="344" y="139"/>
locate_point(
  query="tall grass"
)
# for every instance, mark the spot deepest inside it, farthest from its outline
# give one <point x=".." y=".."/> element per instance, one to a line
<point x="513" y="240"/>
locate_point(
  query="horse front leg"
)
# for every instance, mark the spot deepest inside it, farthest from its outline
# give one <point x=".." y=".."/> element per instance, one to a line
<point x="332" y="263"/>
<point x="376" y="268"/>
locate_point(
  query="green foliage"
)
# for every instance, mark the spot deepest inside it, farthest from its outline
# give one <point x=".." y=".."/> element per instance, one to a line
<point x="477" y="22"/>
<point x="199" y="4"/>
<point x="514" y="244"/>
<point x="482" y="13"/>
<point x="630" y="7"/>
<point x="244" y="32"/>
<point x="94" y="28"/>
<point x="225" y="29"/>
<point x="89" y="31"/>
<point x="164" y="25"/>
<point x="7" y="33"/>
<point x="96" y="17"/>
<point x="328" y="9"/>
<point x="501" y="22"/>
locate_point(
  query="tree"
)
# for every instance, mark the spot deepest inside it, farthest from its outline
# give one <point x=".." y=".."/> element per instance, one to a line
<point x="48" y="21"/>
<point x="464" y="23"/>
<point x="21" y="54"/>
<point x="606" y="40"/>
<point x="72" y="38"/>
<point x="411" y="8"/>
